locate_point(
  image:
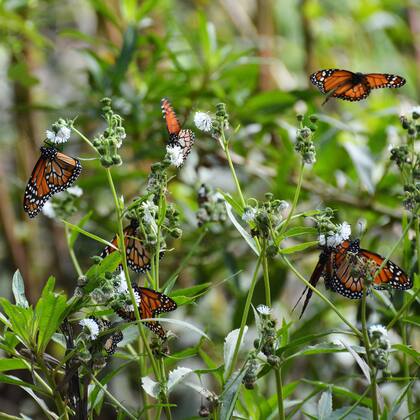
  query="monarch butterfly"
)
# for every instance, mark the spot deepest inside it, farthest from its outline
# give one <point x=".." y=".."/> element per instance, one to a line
<point x="344" y="84"/>
<point x="138" y="258"/>
<point x="53" y="172"/>
<point x="152" y="303"/>
<point x="110" y="344"/>
<point x="184" y="138"/>
<point x="345" y="267"/>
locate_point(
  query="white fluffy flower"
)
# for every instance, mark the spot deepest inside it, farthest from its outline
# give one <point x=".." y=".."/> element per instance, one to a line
<point x="130" y="307"/>
<point x="249" y="214"/>
<point x="264" y="309"/>
<point x="175" y="155"/>
<point x="61" y="136"/>
<point x="343" y="233"/>
<point x="122" y="284"/>
<point x="92" y="326"/>
<point x="378" y="330"/>
<point x="76" y="191"/>
<point x="48" y="210"/>
<point x="202" y="121"/>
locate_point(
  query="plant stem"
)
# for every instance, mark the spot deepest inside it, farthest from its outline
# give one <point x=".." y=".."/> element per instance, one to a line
<point x="85" y="139"/>
<point x="71" y="252"/>
<point x="266" y="275"/>
<point x="244" y="317"/>
<point x="372" y="369"/>
<point x="326" y="300"/>
<point x="279" y="387"/>
<point x="225" y="145"/>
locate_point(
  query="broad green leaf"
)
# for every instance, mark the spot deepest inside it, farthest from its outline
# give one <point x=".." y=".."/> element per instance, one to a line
<point x="49" y="311"/>
<point x="191" y="291"/>
<point x="409" y="351"/>
<point x="18" y="288"/>
<point x="229" y="347"/>
<point x="300" y="230"/>
<point x="12" y="364"/>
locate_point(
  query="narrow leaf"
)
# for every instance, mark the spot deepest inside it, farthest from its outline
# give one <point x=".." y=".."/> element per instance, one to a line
<point x="18" y="288"/>
<point x="229" y="346"/>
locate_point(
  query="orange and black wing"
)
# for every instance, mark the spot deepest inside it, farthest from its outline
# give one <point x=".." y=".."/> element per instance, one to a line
<point x="172" y="122"/>
<point x="346" y="273"/>
<point x="352" y="91"/>
<point x="137" y="257"/>
<point x="391" y="274"/>
<point x="330" y="79"/>
<point x="153" y="303"/>
<point x="384" y="80"/>
<point x="53" y="172"/>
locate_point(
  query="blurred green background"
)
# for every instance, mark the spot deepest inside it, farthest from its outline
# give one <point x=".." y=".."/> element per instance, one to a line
<point x="59" y="58"/>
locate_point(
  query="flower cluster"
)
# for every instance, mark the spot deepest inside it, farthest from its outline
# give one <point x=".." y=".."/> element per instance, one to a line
<point x="304" y="139"/>
<point x="212" y="207"/>
<point x="380" y="346"/>
<point x="60" y="132"/>
<point x="264" y="218"/>
<point x="407" y="158"/>
<point x="108" y="142"/>
<point x="214" y="125"/>
<point x="330" y="234"/>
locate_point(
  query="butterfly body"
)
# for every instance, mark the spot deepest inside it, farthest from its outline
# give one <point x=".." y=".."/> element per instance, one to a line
<point x="349" y="86"/>
<point x="53" y="172"/>
<point x="346" y="268"/>
<point x="152" y="303"/>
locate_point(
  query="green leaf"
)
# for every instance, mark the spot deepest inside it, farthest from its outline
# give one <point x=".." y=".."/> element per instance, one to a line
<point x="20" y="73"/>
<point x="75" y="233"/>
<point x="12" y="364"/>
<point x="325" y="405"/>
<point x="50" y="312"/>
<point x="298" y="248"/>
<point x="230" y="394"/>
<point x="191" y="291"/>
<point x="235" y="205"/>
<point x="300" y="230"/>
<point x="97" y="271"/>
<point x="18" y="288"/>
<point x="86" y="233"/>
<point x="248" y="238"/>
<point x="21" y="320"/>
<point x="409" y="351"/>
<point x="357" y="414"/>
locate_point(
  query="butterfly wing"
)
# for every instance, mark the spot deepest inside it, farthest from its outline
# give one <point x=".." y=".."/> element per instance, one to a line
<point x="329" y="79"/>
<point x="185" y="140"/>
<point x="391" y="274"/>
<point x="172" y="122"/>
<point x="53" y="172"/>
<point x="137" y="257"/>
<point x="384" y="80"/>
<point x="352" y="92"/>
<point x="316" y="275"/>
<point x="110" y="344"/>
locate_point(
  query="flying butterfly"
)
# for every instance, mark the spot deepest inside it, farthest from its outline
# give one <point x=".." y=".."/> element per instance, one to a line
<point x="184" y="138"/>
<point x="53" y="172"/>
<point x="345" y="267"/>
<point x="152" y="303"/>
<point x="349" y="86"/>
<point x="138" y="258"/>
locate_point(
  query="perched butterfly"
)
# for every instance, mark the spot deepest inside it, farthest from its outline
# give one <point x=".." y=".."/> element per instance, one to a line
<point x="111" y="341"/>
<point x="345" y="267"/>
<point x="344" y="84"/>
<point x="152" y="303"/>
<point x="138" y="258"/>
<point x="184" y="138"/>
<point x="54" y="172"/>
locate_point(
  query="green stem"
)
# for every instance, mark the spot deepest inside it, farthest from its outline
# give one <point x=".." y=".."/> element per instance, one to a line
<point x="244" y="318"/>
<point x="71" y="252"/>
<point x="295" y="200"/>
<point x="372" y="369"/>
<point x="279" y="387"/>
<point x="84" y="138"/>
<point x="266" y="275"/>
<point x="225" y="145"/>
<point x="317" y="292"/>
<point x="121" y="246"/>
<point x="113" y="399"/>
